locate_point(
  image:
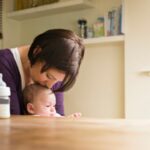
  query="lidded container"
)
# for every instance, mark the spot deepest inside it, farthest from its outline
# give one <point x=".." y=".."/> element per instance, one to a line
<point x="4" y="99"/>
<point x="82" y="28"/>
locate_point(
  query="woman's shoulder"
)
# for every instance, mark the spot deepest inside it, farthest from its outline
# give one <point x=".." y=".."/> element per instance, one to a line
<point x="6" y="58"/>
<point x="6" y="50"/>
<point x="56" y="85"/>
<point x="5" y="53"/>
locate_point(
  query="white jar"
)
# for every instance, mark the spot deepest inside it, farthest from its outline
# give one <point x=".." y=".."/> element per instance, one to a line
<point x="4" y="99"/>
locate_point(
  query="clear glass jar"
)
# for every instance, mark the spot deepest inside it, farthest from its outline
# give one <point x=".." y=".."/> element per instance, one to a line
<point x="4" y="99"/>
<point x="4" y="107"/>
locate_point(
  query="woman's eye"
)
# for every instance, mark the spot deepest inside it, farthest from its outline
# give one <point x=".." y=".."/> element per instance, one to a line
<point x="48" y="76"/>
<point x="48" y="106"/>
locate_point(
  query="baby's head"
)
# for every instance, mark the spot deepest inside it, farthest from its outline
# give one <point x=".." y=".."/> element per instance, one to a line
<point x="39" y="100"/>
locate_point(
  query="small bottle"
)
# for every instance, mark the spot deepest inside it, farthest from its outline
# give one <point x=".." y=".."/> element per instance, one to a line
<point x="98" y="27"/>
<point x="4" y="99"/>
<point x="90" y="33"/>
<point x="82" y="28"/>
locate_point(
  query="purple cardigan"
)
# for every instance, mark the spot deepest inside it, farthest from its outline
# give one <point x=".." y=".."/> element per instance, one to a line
<point x="11" y="76"/>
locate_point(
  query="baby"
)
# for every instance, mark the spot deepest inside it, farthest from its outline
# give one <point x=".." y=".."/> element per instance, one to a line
<point x="41" y="101"/>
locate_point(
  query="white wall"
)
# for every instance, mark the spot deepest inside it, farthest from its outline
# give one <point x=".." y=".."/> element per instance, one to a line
<point x="137" y="58"/>
<point x="99" y="89"/>
<point x="11" y="28"/>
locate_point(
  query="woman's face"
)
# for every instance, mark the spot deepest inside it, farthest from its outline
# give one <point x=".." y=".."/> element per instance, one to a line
<point x="47" y="78"/>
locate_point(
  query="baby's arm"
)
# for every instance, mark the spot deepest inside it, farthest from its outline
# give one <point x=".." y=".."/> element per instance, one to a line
<point x="75" y="115"/>
<point x="57" y="115"/>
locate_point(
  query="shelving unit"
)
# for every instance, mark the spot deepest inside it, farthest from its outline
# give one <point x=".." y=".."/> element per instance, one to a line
<point x="59" y="7"/>
<point x="100" y="40"/>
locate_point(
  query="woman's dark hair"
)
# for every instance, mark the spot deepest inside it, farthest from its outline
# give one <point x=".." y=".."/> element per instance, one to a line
<point x="61" y="49"/>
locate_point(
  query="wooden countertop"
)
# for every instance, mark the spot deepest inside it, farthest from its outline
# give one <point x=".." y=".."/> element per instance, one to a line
<point x="42" y="133"/>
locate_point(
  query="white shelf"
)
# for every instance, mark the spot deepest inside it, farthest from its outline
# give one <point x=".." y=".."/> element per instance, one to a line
<point x="99" y="40"/>
<point x="59" y="7"/>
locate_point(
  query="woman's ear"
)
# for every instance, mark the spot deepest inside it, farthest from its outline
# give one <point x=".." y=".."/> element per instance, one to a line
<point x="30" y="108"/>
<point x="37" y="50"/>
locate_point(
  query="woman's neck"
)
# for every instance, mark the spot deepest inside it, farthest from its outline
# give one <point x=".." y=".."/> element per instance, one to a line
<point x="23" y="50"/>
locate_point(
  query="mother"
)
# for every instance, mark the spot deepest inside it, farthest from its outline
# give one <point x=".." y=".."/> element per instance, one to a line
<point x="52" y="60"/>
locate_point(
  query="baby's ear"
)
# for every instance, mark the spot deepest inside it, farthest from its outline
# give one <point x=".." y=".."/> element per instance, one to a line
<point x="30" y="108"/>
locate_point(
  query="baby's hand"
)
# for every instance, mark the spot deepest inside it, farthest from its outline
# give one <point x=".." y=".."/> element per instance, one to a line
<point x="75" y="115"/>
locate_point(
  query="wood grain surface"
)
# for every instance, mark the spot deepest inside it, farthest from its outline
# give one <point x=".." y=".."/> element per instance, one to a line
<point x="43" y="133"/>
